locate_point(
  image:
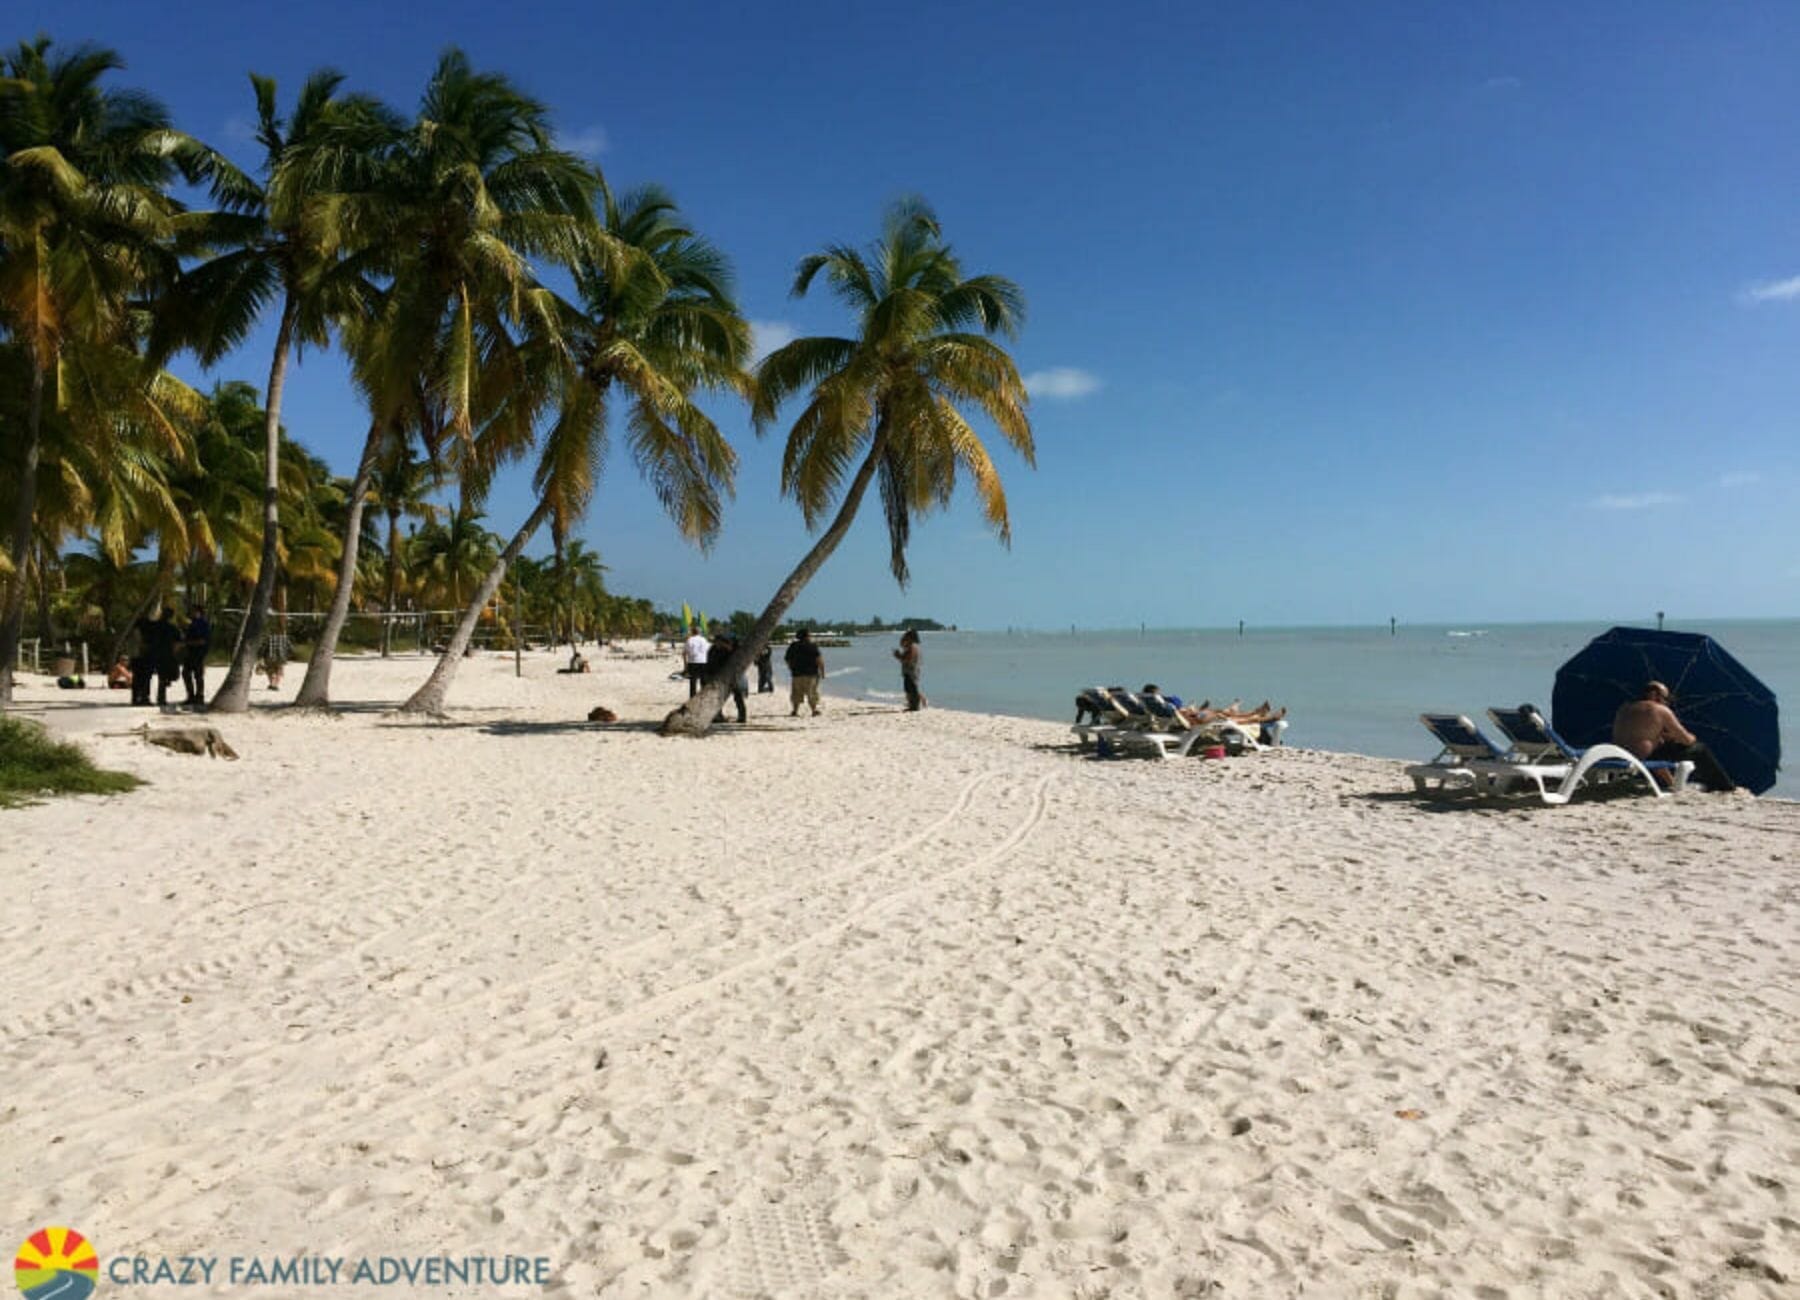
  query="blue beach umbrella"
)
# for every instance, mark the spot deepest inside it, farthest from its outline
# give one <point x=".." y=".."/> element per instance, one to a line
<point x="1716" y="697"/>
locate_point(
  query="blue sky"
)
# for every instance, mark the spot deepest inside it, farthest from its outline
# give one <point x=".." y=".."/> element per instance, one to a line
<point x="1475" y="311"/>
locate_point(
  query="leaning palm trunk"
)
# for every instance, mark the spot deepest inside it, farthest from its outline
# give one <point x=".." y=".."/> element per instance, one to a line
<point x="233" y="695"/>
<point x="695" y="718"/>
<point x="12" y="623"/>
<point x="429" y="698"/>
<point x="315" y="691"/>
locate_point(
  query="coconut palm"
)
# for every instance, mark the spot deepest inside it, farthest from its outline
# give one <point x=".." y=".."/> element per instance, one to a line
<point x="890" y="393"/>
<point x="581" y="588"/>
<point x="450" y="557"/>
<point x="477" y="200"/>
<point x="86" y="226"/>
<point x="284" y="240"/>
<point x="657" y="324"/>
<point x="402" y="488"/>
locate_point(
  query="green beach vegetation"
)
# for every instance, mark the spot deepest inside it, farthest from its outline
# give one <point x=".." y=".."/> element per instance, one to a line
<point x="498" y="304"/>
<point x="32" y="764"/>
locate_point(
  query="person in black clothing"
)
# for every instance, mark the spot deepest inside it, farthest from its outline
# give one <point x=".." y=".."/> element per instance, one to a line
<point x="765" y="672"/>
<point x="196" y="643"/>
<point x="162" y="641"/>
<point x="806" y="663"/>
<point x="140" y="664"/>
<point x="723" y="646"/>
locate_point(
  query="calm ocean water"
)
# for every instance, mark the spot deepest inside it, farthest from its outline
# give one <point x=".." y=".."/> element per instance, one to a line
<point x="1352" y="689"/>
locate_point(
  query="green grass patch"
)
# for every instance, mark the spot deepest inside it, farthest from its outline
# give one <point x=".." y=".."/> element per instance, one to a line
<point x="32" y="763"/>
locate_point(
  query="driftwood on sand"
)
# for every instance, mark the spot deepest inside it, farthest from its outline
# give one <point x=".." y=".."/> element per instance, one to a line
<point x="190" y="740"/>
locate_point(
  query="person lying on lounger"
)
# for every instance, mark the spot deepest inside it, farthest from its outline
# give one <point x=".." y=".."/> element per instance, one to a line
<point x="1196" y="715"/>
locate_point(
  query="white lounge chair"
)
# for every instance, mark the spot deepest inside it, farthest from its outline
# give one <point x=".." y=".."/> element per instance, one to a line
<point x="1537" y="746"/>
<point x="1470" y="761"/>
<point x="1154" y="723"/>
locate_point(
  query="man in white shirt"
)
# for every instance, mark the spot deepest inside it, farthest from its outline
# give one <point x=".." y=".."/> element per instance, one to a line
<point x="693" y="657"/>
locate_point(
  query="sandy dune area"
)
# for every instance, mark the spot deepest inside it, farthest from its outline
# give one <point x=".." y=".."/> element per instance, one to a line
<point x="883" y="1005"/>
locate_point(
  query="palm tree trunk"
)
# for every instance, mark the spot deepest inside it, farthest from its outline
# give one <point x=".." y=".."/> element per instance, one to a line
<point x="233" y="695"/>
<point x="565" y="594"/>
<point x="315" y="691"/>
<point x="695" y="718"/>
<point x="429" y="698"/>
<point x="393" y="581"/>
<point x="12" y="623"/>
<point x="46" y="632"/>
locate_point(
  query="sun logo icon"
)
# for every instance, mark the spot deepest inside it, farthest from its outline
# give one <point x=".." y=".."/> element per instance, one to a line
<point x="56" y="1264"/>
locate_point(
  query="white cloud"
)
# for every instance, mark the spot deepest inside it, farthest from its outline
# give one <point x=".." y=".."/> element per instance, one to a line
<point x="588" y="142"/>
<point x="1739" y="478"/>
<point x="1771" y="291"/>
<point x="767" y="335"/>
<point x="1501" y="83"/>
<point x="1634" y="500"/>
<point x="240" y="129"/>
<point x="1061" y="383"/>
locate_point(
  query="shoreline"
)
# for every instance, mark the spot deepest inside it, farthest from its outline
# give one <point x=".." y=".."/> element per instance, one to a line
<point x="888" y="1005"/>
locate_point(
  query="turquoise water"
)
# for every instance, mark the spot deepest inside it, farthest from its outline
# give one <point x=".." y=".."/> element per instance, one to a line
<point x="1352" y="689"/>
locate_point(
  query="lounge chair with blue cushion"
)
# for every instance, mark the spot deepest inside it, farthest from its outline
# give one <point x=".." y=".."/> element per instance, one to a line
<point x="1112" y="708"/>
<point x="1535" y="742"/>
<point x="1467" y="759"/>
<point x="1155" y="723"/>
<point x="1165" y="714"/>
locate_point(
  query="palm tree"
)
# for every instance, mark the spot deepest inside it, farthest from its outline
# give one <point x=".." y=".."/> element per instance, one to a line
<point x="403" y="487"/>
<point x="658" y="322"/>
<point x="85" y="227"/>
<point x="581" y="583"/>
<point x="892" y="393"/>
<point x="285" y="239"/>
<point x="452" y="556"/>
<point x="476" y="193"/>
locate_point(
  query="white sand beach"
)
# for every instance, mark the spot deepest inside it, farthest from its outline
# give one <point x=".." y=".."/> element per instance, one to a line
<point x="881" y="1005"/>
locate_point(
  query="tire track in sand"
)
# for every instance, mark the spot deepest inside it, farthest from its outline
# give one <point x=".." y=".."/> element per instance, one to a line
<point x="338" y="942"/>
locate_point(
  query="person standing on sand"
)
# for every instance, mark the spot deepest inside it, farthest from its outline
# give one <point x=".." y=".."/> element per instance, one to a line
<point x="162" y="641"/>
<point x="693" y="659"/>
<point x="140" y="664"/>
<point x="765" y="672"/>
<point x="1648" y="727"/>
<point x="909" y="655"/>
<point x="806" y="664"/>
<point x="276" y="651"/>
<point x="196" y="642"/>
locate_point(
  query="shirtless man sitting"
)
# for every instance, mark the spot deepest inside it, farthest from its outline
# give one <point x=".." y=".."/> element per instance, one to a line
<point x="1648" y="728"/>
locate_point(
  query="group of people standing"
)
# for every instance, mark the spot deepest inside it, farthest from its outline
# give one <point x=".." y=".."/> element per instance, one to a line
<point x="167" y="650"/>
<point x="703" y="661"/>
